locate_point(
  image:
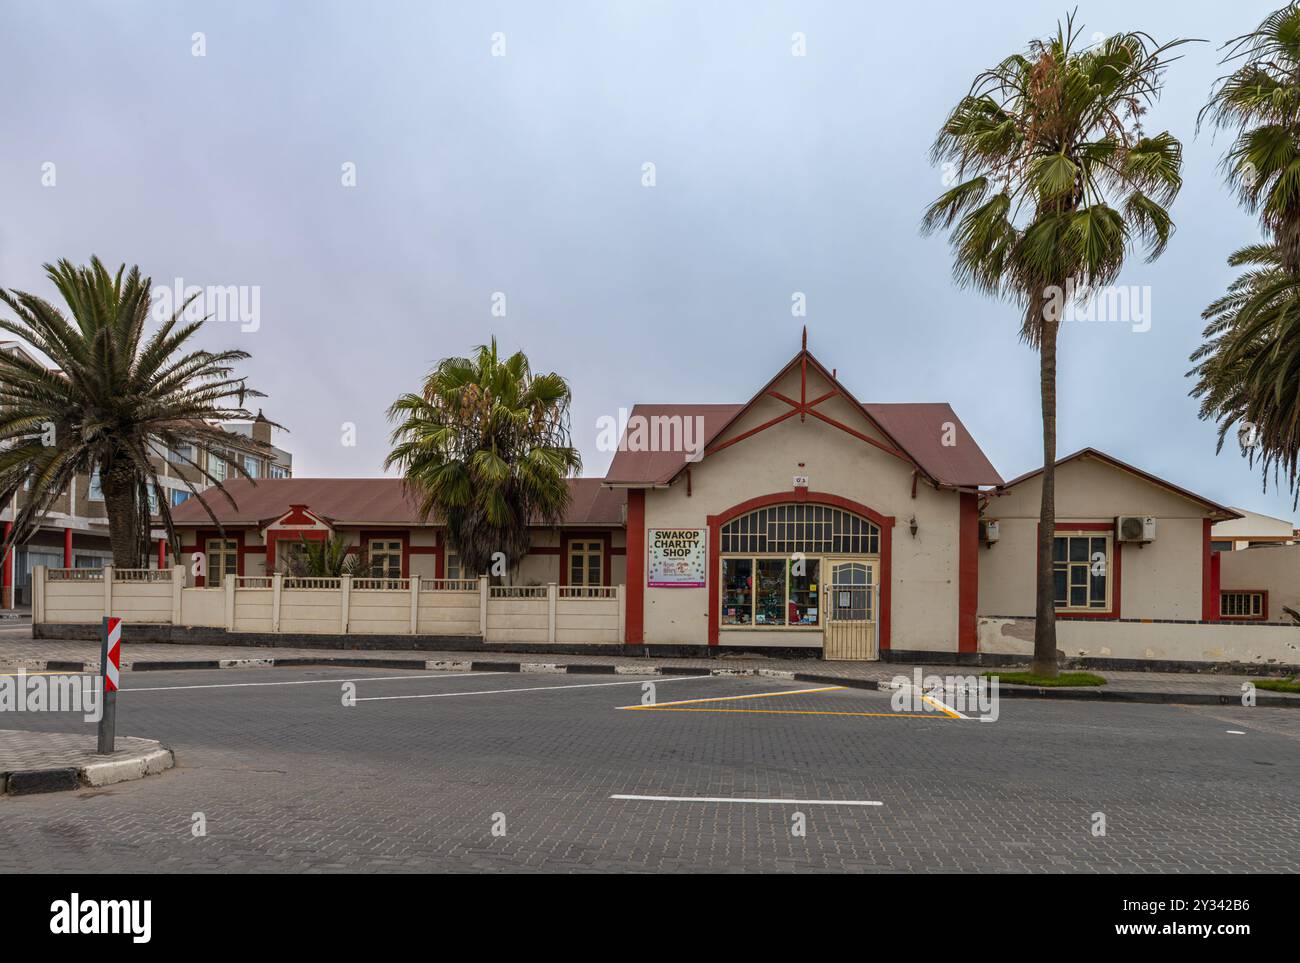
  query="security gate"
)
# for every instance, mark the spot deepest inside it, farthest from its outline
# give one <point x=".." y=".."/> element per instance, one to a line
<point x="850" y="607"/>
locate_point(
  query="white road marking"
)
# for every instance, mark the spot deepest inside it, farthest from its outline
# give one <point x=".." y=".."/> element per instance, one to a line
<point x="246" y="685"/>
<point x="741" y="799"/>
<point x="535" y="688"/>
<point x="755" y="695"/>
<point x="1234" y="732"/>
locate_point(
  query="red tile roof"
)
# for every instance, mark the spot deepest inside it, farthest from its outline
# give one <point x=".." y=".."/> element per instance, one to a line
<point x="918" y="429"/>
<point x="357" y="501"/>
<point x="658" y="467"/>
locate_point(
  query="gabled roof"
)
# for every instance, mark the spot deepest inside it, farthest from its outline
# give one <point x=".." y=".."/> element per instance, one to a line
<point x="921" y="427"/>
<point x="366" y="501"/>
<point x="912" y="431"/>
<point x="637" y="468"/>
<point x="1215" y="510"/>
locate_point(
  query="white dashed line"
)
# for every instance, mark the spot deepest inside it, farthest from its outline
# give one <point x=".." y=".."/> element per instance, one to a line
<point x="534" y="688"/>
<point x="742" y="799"/>
<point x="249" y="685"/>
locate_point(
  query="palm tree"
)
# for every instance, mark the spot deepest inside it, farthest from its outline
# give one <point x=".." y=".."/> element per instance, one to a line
<point x="324" y="558"/>
<point x="486" y="447"/>
<point x="115" y="401"/>
<point x="1248" y="369"/>
<point x="1056" y="180"/>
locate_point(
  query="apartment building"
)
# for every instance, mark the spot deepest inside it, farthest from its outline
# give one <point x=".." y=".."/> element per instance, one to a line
<point x="74" y="534"/>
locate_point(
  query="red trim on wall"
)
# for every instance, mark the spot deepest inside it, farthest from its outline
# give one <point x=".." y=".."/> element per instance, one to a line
<point x="635" y="610"/>
<point x="604" y="537"/>
<point x="1209" y="576"/>
<point x="1246" y="618"/>
<point x="67" y="548"/>
<point x="162" y="553"/>
<point x="1116" y="566"/>
<point x="715" y="522"/>
<point x="274" y="537"/>
<point x="237" y="535"/>
<point x="968" y="572"/>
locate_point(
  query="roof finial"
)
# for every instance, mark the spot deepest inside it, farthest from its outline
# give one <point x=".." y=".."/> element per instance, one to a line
<point x="805" y="337"/>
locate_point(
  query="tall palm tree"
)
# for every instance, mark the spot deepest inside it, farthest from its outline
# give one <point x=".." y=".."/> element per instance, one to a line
<point x="1248" y="369"/>
<point x="486" y="447"/>
<point x="1056" y="181"/>
<point x="115" y="402"/>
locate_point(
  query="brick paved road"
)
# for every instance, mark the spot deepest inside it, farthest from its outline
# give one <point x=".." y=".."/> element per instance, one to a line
<point x="291" y="780"/>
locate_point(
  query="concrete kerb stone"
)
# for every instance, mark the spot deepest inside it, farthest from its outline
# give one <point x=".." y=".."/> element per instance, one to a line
<point x="150" y="760"/>
<point x="121" y="770"/>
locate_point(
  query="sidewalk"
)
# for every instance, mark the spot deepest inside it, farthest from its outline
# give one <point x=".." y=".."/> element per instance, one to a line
<point x="34" y="762"/>
<point x="1164" y="687"/>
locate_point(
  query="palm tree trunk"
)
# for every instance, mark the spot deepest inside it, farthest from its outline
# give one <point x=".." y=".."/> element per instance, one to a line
<point x="1045" y="612"/>
<point x="123" y="517"/>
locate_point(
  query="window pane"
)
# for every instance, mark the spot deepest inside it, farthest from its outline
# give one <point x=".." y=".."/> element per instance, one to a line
<point x="1058" y="549"/>
<point x="737" y="590"/>
<point x="803" y="593"/>
<point x="770" y="598"/>
<point x="1058" y="577"/>
<point x="1078" y="550"/>
<point x="1078" y="597"/>
<point x="1097" y="591"/>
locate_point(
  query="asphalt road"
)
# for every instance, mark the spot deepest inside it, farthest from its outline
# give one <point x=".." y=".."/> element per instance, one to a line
<point x="510" y="772"/>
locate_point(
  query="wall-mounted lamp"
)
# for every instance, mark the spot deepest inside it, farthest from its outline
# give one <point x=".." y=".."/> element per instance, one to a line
<point x="912" y="526"/>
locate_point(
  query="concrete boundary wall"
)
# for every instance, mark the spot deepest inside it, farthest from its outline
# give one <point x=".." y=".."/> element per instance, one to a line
<point x="279" y="605"/>
<point x="1250" y="643"/>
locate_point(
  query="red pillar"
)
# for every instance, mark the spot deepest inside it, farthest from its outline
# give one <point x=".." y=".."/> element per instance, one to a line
<point x="8" y="566"/>
<point x="1209" y="576"/>
<point x="635" y="566"/>
<point x="162" y="553"/>
<point x="968" y="573"/>
<point x="67" y="548"/>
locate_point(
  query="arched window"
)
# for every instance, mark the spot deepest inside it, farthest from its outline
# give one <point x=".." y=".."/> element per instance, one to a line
<point x="801" y="527"/>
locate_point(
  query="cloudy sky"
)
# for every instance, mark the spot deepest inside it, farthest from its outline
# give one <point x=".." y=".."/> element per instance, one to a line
<point x="523" y="174"/>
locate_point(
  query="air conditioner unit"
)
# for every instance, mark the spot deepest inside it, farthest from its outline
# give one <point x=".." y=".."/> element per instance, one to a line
<point x="989" y="531"/>
<point x="1135" y="528"/>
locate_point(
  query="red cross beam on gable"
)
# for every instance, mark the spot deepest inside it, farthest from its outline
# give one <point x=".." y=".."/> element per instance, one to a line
<point x="805" y="407"/>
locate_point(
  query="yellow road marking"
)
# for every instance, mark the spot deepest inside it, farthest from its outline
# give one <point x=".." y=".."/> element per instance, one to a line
<point x="759" y="695"/>
<point x="941" y="707"/>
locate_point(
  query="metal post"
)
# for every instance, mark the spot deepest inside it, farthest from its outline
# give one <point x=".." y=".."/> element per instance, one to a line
<point x="110" y="656"/>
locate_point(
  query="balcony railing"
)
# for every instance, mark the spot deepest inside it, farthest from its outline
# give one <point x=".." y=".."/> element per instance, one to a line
<point x="588" y="592"/>
<point x="312" y="583"/>
<point x="381" y="584"/>
<point x="517" y="591"/>
<point x="75" y="574"/>
<point x="142" y="575"/>
<point x="448" y="585"/>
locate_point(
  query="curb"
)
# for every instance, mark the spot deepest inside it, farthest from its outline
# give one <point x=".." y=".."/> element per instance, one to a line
<point x="1005" y="690"/>
<point x="92" y="775"/>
